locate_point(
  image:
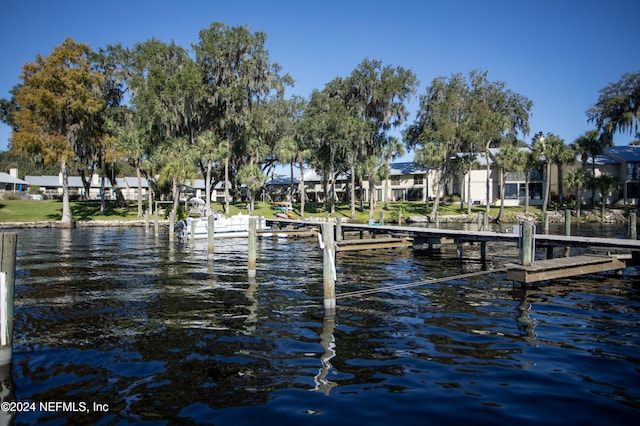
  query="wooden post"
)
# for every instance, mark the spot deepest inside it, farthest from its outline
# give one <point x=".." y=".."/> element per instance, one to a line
<point x="567" y="230"/>
<point x="527" y="243"/>
<point x="480" y="221"/>
<point x="485" y="221"/>
<point x="192" y="231"/>
<point x="338" y="228"/>
<point x="546" y="223"/>
<point x="147" y="217"/>
<point x="211" y="220"/>
<point x="252" y="247"/>
<point x="329" y="268"/>
<point x="399" y="217"/>
<point x="382" y="218"/>
<point x="483" y="250"/>
<point x="172" y="227"/>
<point x="632" y="226"/>
<point x="7" y="284"/>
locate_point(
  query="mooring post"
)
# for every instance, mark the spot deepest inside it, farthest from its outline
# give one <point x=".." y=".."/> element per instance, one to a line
<point x="252" y="247"/>
<point x="480" y="221"/>
<point x="632" y="226"/>
<point x="567" y="230"/>
<point x="7" y="284"/>
<point x="399" y="217"/>
<point x="172" y="226"/>
<point x="192" y="231"/>
<point x="329" y="268"/>
<point x="211" y="220"/>
<point x="338" y="228"/>
<point x="527" y="243"/>
<point x="546" y="223"/>
<point x="147" y="219"/>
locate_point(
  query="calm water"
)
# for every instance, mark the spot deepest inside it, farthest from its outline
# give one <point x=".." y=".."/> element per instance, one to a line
<point x="162" y="336"/>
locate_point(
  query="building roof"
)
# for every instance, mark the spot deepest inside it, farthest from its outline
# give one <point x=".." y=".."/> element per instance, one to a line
<point x="7" y="178"/>
<point x="629" y="153"/>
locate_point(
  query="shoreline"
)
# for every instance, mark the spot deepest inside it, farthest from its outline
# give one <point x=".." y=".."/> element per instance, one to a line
<point x="611" y="217"/>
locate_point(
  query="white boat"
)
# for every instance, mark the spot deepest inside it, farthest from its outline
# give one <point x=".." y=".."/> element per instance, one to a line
<point x="223" y="227"/>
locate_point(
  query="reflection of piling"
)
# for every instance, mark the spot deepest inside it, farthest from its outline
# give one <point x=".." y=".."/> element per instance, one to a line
<point x="156" y="223"/>
<point x="252" y="247"/>
<point x="7" y="284"/>
<point x="632" y="226"/>
<point x="329" y="267"/>
<point x="172" y="227"/>
<point x="211" y="220"/>
<point x="328" y="343"/>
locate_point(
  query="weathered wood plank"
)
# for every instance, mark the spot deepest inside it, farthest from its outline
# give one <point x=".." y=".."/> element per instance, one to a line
<point x="563" y="267"/>
<point x="372" y="244"/>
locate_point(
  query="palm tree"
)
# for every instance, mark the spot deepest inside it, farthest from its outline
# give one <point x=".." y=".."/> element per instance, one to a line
<point x="393" y="149"/>
<point x="576" y="180"/>
<point x="562" y="155"/>
<point x="510" y="158"/>
<point x="591" y="144"/>
<point x="542" y="148"/>
<point x="606" y="183"/>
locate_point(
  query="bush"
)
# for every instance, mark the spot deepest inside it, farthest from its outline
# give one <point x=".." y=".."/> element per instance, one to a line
<point x="11" y="196"/>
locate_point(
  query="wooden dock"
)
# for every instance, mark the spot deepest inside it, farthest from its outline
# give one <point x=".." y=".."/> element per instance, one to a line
<point x="372" y="244"/>
<point x="564" y="267"/>
<point x="286" y="233"/>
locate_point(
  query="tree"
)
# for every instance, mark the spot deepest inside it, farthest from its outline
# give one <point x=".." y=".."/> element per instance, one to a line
<point x="606" y="183"/>
<point x="543" y="148"/>
<point x="618" y="107"/>
<point x="377" y="94"/>
<point x="589" y="145"/>
<point x="511" y="158"/>
<point x="576" y="180"/>
<point x="56" y="108"/>
<point x="392" y="149"/>
<point x="438" y="131"/>
<point x="237" y="73"/>
<point x="561" y="154"/>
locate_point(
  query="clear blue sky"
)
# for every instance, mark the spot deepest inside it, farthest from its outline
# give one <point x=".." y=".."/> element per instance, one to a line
<point x="559" y="53"/>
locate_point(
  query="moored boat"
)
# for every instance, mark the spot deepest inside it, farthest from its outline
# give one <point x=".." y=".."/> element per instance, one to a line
<point x="197" y="221"/>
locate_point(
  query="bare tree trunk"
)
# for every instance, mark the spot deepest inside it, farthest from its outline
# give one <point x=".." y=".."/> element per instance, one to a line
<point x="301" y="189"/>
<point x="66" y="221"/>
<point x="139" y="177"/>
<point x="353" y="191"/>
<point x="226" y="185"/>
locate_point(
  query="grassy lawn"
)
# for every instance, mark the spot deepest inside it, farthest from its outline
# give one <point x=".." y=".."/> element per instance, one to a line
<point x="28" y="211"/>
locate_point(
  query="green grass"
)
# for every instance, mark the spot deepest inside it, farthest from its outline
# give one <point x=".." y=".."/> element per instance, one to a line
<point x="28" y="211"/>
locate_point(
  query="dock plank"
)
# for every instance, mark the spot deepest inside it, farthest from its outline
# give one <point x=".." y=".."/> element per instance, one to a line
<point x="564" y="267"/>
<point x="372" y="244"/>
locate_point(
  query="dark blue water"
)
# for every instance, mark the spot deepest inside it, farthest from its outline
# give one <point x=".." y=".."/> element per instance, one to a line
<point x="156" y="334"/>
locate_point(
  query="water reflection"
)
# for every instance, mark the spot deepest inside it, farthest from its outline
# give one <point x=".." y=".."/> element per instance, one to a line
<point x="164" y="335"/>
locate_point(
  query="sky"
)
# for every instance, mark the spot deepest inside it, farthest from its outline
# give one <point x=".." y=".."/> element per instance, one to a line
<point x="558" y="53"/>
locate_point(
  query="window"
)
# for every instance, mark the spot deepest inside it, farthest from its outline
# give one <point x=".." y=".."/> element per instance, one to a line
<point x="395" y="181"/>
<point x="418" y="180"/>
<point x="510" y="191"/>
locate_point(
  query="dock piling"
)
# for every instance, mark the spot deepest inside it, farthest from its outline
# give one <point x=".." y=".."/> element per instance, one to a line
<point x="632" y="226"/>
<point x="252" y="247"/>
<point x="8" y="243"/>
<point x="527" y="243"/>
<point x="567" y="230"/>
<point x="329" y="268"/>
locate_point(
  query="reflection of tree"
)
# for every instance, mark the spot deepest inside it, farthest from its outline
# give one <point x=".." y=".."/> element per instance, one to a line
<point x="328" y="343"/>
